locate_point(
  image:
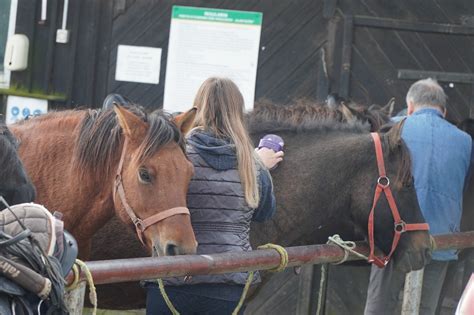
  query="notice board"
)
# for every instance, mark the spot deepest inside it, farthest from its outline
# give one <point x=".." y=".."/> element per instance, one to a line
<point x="207" y="42"/>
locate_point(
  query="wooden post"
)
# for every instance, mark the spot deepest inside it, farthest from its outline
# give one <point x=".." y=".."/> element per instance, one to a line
<point x="75" y="299"/>
<point x="304" y="296"/>
<point x="344" y="81"/>
<point x="412" y="292"/>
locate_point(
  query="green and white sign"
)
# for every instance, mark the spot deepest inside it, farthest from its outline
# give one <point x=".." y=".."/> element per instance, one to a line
<point x="210" y="42"/>
<point x="217" y="15"/>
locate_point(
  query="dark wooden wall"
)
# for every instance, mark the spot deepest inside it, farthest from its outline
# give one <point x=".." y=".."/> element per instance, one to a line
<point x="292" y="37"/>
<point x="303" y="49"/>
<point x="82" y="72"/>
<point x="416" y="41"/>
<point x="69" y="74"/>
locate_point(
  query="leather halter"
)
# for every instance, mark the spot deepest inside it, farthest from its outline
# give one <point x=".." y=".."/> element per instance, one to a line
<point x="400" y="226"/>
<point x="140" y="225"/>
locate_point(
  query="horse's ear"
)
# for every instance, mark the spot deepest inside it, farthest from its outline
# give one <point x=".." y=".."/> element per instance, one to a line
<point x="347" y="113"/>
<point x="388" y="109"/>
<point x="132" y="125"/>
<point x="185" y="120"/>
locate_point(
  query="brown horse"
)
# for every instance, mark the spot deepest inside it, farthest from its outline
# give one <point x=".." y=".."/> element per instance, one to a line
<point x="89" y="164"/>
<point x="324" y="186"/>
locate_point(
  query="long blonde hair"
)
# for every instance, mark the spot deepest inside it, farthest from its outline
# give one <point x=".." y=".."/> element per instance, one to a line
<point x="221" y="110"/>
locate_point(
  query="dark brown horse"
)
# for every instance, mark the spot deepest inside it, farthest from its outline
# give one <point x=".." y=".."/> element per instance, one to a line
<point x="333" y="172"/>
<point x="15" y="186"/>
<point x="324" y="186"/>
<point x="91" y="164"/>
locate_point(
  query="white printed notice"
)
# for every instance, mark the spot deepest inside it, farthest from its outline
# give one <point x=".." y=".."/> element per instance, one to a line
<point x="138" y="64"/>
<point x="210" y="42"/>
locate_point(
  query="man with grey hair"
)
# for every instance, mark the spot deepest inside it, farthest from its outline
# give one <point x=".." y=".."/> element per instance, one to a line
<point x="440" y="155"/>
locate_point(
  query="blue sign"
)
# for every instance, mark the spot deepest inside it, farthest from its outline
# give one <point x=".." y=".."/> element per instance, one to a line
<point x="37" y="112"/>
<point x="26" y="112"/>
<point x="15" y="110"/>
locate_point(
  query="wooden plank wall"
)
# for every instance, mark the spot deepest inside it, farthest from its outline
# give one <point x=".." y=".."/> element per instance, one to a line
<point x="72" y="71"/>
<point x="293" y="35"/>
<point x="378" y="54"/>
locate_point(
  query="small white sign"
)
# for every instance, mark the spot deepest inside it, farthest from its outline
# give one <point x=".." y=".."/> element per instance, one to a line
<point x="19" y="108"/>
<point x="138" y="64"/>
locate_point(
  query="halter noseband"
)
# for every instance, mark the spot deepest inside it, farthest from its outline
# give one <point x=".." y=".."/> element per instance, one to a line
<point x="140" y="225"/>
<point x="400" y="226"/>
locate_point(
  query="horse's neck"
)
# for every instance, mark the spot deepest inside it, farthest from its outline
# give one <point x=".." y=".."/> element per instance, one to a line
<point x="47" y="149"/>
<point x="313" y="190"/>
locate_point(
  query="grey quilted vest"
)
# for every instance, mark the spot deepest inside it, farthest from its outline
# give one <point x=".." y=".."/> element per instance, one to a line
<point x="220" y="217"/>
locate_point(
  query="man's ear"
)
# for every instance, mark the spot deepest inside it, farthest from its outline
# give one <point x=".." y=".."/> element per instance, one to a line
<point x="185" y="120"/>
<point x="410" y="108"/>
<point x="133" y="127"/>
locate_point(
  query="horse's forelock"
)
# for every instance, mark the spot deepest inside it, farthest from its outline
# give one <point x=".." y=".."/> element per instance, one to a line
<point x="161" y="132"/>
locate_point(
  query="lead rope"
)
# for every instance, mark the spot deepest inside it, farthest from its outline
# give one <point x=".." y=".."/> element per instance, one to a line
<point x="90" y="281"/>
<point x="348" y="247"/>
<point x="283" y="263"/>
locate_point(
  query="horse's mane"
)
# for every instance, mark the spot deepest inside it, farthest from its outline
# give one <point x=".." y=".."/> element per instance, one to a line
<point x="396" y="144"/>
<point x="100" y="137"/>
<point x="300" y="116"/>
<point x="8" y="156"/>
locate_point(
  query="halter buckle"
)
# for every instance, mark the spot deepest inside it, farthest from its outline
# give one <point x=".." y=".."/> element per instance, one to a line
<point x="118" y="180"/>
<point x="381" y="263"/>
<point x="383" y="181"/>
<point x="400" y="227"/>
<point x="139" y="224"/>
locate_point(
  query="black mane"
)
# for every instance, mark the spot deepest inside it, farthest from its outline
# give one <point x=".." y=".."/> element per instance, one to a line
<point x="8" y="156"/>
<point x="302" y="116"/>
<point x="15" y="186"/>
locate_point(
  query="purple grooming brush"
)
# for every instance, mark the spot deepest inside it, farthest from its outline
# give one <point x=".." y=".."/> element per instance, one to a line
<point x="273" y="142"/>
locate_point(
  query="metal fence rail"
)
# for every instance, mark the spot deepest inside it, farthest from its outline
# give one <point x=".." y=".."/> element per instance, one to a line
<point x="134" y="269"/>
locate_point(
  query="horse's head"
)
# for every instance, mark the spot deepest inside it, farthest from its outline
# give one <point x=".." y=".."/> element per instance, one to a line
<point x="152" y="181"/>
<point x="375" y="115"/>
<point x="414" y="248"/>
<point x="15" y="186"/>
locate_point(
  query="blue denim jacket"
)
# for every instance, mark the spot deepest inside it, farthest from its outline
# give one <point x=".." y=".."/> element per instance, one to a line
<point x="440" y="155"/>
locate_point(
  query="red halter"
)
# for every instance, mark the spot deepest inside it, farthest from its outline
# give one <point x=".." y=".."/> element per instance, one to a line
<point x="141" y="225"/>
<point x="383" y="185"/>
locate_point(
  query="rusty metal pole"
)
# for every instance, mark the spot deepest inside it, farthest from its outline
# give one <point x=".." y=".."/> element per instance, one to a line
<point x="412" y="292"/>
<point x="134" y="269"/>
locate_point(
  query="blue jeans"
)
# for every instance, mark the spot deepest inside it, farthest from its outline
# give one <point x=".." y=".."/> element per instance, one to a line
<point x="383" y="294"/>
<point x="186" y="302"/>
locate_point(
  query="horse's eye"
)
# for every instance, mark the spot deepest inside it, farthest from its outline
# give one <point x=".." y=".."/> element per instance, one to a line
<point x="144" y="176"/>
